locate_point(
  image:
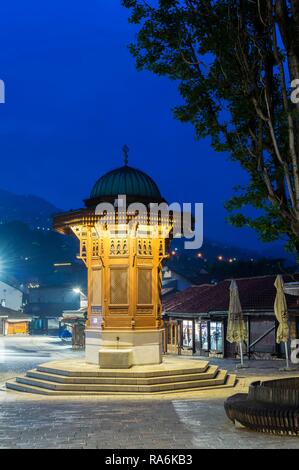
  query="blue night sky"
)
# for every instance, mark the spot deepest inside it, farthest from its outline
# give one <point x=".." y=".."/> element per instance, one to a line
<point x="74" y="97"/>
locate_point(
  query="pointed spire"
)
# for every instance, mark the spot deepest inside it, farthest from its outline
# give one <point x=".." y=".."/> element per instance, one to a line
<point x="126" y="154"/>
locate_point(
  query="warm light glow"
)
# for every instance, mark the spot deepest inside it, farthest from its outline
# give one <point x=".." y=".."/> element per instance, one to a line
<point x="33" y="286"/>
<point x="130" y="251"/>
<point x="220" y="258"/>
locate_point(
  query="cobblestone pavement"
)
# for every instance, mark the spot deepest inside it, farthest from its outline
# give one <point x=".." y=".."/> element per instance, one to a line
<point x="211" y="429"/>
<point x="91" y="424"/>
<point x="142" y="424"/>
<point x="198" y="421"/>
<point x="253" y="367"/>
<point x="20" y="353"/>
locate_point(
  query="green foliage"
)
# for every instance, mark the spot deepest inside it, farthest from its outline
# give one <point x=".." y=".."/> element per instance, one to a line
<point x="230" y="66"/>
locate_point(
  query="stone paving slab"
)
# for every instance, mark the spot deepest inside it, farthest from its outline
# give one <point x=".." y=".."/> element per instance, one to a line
<point x="127" y="425"/>
<point x="254" y="367"/>
<point x="183" y="420"/>
<point x="211" y="429"/>
<point x="96" y="425"/>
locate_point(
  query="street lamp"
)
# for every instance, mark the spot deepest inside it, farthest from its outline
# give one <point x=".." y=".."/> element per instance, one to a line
<point x="77" y="290"/>
<point x="83" y="297"/>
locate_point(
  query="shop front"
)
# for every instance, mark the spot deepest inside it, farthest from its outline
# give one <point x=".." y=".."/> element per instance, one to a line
<point x="211" y="338"/>
<point x="180" y="337"/>
<point x="191" y="336"/>
<point x="204" y="338"/>
<point x="188" y="337"/>
<point x="16" y="327"/>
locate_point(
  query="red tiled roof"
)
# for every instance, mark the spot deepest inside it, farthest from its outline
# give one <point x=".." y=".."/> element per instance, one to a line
<point x="256" y="293"/>
<point x="186" y="300"/>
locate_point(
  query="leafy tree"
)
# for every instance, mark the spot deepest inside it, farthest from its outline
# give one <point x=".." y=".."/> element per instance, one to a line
<point x="235" y="62"/>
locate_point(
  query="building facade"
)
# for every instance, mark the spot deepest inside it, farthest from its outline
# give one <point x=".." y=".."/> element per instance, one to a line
<point x="13" y="322"/>
<point x="11" y="296"/>
<point x="12" y="319"/>
<point x="46" y="305"/>
<point x="196" y="319"/>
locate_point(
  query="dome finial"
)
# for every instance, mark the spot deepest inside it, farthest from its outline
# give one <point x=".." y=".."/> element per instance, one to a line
<point x="126" y="154"/>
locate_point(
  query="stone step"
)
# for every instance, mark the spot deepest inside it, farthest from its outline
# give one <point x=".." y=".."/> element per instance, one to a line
<point x="219" y="379"/>
<point x="18" y="387"/>
<point x="199" y="368"/>
<point x="229" y="382"/>
<point x="209" y="374"/>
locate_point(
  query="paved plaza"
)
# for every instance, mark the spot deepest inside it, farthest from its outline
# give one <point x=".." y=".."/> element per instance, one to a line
<point x="20" y="353"/>
<point x="176" y="421"/>
<point x="141" y="424"/>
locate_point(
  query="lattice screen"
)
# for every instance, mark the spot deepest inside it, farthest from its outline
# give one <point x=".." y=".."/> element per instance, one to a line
<point x="118" y="286"/>
<point x="144" y="286"/>
<point x="97" y="288"/>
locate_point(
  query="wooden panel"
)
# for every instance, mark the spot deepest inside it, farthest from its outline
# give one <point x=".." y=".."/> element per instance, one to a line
<point x="118" y="286"/>
<point x="145" y="291"/>
<point x="118" y="310"/>
<point x="97" y="287"/>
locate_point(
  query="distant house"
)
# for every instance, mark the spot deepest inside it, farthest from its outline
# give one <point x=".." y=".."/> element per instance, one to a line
<point x="13" y="322"/>
<point x="12" y="318"/>
<point x="46" y="305"/>
<point x="11" y="295"/>
<point x="196" y="319"/>
<point x="173" y="282"/>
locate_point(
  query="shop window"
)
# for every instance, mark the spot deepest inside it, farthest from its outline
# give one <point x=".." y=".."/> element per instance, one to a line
<point x="187" y="334"/>
<point x="53" y="324"/>
<point x="197" y="336"/>
<point x="197" y="332"/>
<point x="216" y="336"/>
<point x="204" y="336"/>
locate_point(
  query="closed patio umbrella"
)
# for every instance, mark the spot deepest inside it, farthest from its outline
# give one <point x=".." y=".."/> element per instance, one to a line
<point x="281" y="313"/>
<point x="236" y="330"/>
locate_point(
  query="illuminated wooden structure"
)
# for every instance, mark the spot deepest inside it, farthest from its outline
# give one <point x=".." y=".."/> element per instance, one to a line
<point x="124" y="258"/>
<point x="123" y="255"/>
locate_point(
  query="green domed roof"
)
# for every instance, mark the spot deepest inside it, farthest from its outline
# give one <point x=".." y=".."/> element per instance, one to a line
<point x="126" y="180"/>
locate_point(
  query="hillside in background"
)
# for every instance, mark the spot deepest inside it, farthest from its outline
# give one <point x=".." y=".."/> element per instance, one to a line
<point x="30" y="251"/>
<point x="32" y="210"/>
<point x="212" y="249"/>
<point x="35" y="256"/>
<point x="216" y="261"/>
